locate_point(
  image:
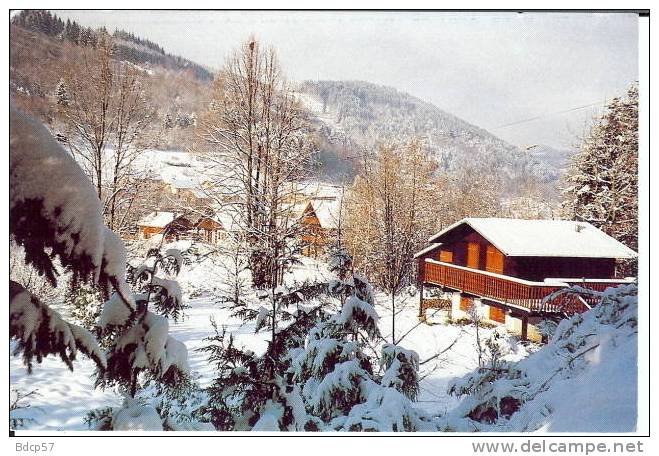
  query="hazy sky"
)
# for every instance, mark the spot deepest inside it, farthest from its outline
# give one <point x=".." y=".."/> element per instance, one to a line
<point x="491" y="69"/>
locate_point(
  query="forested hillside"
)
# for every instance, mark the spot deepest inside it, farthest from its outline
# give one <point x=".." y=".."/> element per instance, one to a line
<point x="347" y="115"/>
<point x="351" y="113"/>
<point x="129" y="47"/>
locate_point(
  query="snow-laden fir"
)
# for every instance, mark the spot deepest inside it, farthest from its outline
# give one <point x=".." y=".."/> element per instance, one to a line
<point x="596" y="391"/>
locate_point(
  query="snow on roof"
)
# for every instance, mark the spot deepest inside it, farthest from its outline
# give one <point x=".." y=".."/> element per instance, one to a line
<point x="432" y="246"/>
<point x="328" y="212"/>
<point x="157" y="219"/>
<point x="320" y="190"/>
<point x="545" y="238"/>
<point x="227" y="220"/>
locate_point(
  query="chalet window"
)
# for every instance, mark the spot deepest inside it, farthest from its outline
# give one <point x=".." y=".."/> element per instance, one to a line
<point x="494" y="260"/>
<point x="446" y="256"/>
<point x="466" y="303"/>
<point x="473" y="255"/>
<point x="497" y="314"/>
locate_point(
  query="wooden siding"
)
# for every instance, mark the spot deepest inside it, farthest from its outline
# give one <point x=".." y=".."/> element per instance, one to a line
<point x="489" y="258"/>
<point x="473" y="255"/>
<point x="446" y="256"/>
<point x="147" y="231"/>
<point x="494" y="260"/>
<point x="466" y="303"/>
<point x="540" y="268"/>
<point x="314" y="236"/>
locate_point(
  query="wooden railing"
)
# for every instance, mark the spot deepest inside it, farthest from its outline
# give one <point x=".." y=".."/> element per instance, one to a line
<point x="512" y="291"/>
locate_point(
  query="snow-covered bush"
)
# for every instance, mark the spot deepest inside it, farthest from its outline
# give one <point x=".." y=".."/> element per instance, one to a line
<point x="141" y="352"/>
<point x="320" y="371"/>
<point x="60" y="219"/>
<point x="18" y="408"/>
<point x="40" y="331"/>
<point x="139" y="342"/>
<point x="84" y="304"/>
<point x="583" y="380"/>
<point x="401" y="370"/>
<point x="56" y="219"/>
<point x="250" y="391"/>
<point x="161" y="408"/>
<point x="336" y="376"/>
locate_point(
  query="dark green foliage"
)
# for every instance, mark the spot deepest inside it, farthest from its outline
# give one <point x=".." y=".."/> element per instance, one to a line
<point x="39" y="331"/>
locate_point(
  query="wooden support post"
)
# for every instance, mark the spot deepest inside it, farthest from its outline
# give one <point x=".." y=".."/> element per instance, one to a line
<point x="421" y="311"/>
<point x="525" y="327"/>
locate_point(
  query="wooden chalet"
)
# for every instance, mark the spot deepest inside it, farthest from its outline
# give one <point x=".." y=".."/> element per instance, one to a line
<point x="320" y="221"/>
<point x="510" y="269"/>
<point x="199" y="227"/>
<point x="154" y="223"/>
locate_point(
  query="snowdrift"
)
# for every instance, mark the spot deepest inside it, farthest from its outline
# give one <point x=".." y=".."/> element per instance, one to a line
<point x="584" y="380"/>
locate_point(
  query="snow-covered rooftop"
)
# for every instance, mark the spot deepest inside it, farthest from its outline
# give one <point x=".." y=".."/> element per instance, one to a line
<point x="320" y="190"/>
<point x="157" y="219"/>
<point x="545" y="238"/>
<point x="328" y="212"/>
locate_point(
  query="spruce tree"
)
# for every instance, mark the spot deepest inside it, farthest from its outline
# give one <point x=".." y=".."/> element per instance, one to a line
<point x="602" y="181"/>
<point x="61" y="93"/>
<point x="84" y="303"/>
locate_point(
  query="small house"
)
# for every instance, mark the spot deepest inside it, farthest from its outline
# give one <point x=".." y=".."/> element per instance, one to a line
<point x="154" y="223"/>
<point x="508" y="270"/>
<point x="200" y="227"/>
<point x="320" y="222"/>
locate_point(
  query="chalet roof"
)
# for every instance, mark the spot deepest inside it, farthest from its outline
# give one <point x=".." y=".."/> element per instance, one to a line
<point x="544" y="238"/>
<point x="195" y="218"/>
<point x="228" y="220"/>
<point x="432" y="246"/>
<point x="328" y="212"/>
<point x="157" y="219"/>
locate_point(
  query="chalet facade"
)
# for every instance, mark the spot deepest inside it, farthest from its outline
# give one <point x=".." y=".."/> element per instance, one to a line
<point x="320" y="222"/>
<point x="508" y="269"/>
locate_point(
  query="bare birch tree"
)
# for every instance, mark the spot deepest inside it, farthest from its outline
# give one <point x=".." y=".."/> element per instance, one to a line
<point x="106" y="116"/>
<point x="471" y="190"/>
<point x="259" y="153"/>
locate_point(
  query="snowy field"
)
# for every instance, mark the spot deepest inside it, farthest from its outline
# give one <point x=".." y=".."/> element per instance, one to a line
<point x="65" y="397"/>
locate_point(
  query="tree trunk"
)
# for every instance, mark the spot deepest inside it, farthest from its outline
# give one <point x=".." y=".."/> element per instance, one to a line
<point x="393" y="318"/>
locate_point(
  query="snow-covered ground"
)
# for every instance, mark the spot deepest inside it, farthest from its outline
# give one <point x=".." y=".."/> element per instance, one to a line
<point x="606" y="335"/>
<point x="65" y="397"/>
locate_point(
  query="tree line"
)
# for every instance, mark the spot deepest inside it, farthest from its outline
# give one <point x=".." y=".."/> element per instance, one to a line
<point x="146" y="51"/>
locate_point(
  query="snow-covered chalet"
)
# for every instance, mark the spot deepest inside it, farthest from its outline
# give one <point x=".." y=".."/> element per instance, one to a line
<point x="509" y="270"/>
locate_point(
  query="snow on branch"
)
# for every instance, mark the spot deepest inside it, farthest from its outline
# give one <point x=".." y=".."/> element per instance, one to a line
<point x="41" y="331"/>
<point x="402" y="369"/>
<point x="592" y="355"/>
<point x="55" y="212"/>
<point x="357" y="313"/>
<point x="147" y="346"/>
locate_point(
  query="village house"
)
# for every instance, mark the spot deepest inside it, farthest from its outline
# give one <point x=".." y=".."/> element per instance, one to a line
<point x="186" y="193"/>
<point x="200" y="227"/>
<point x="508" y="270"/>
<point x="154" y="223"/>
<point x="320" y="222"/>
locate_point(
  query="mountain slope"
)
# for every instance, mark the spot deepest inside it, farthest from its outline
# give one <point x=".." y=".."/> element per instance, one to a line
<point x="350" y="114"/>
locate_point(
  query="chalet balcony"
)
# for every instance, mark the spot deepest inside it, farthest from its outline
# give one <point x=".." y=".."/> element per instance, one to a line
<point x="531" y="297"/>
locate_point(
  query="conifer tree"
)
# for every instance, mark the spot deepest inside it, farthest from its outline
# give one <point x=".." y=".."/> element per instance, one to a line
<point x="601" y="185"/>
<point x="61" y="93"/>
